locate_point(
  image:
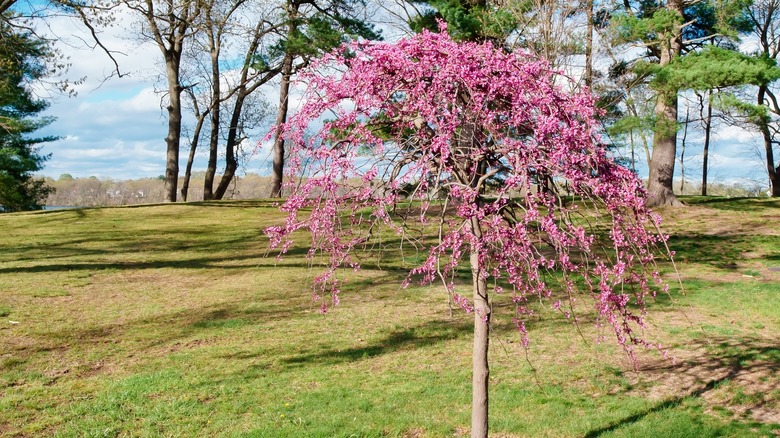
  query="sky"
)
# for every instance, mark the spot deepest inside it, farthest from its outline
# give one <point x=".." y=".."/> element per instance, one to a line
<point x="112" y="128"/>
<point x="115" y="127"/>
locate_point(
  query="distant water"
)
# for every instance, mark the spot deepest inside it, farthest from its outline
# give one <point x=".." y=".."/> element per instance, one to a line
<point x="59" y="207"/>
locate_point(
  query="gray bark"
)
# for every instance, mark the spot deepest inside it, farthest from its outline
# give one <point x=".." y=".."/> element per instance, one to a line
<point x="185" y="187"/>
<point x="281" y="117"/>
<point x="211" y="167"/>
<point x="174" y="127"/>
<point x="706" y="151"/>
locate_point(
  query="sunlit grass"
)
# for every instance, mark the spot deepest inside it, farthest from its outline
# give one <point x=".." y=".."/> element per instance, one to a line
<point x="170" y="320"/>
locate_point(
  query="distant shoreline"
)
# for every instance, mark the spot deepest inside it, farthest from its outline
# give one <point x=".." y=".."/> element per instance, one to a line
<point x="59" y="207"/>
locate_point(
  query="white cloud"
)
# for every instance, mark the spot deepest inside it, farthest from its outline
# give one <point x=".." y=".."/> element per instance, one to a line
<point x="113" y="128"/>
<point x="733" y="134"/>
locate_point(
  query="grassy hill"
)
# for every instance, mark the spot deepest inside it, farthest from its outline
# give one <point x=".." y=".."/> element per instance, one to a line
<point x="170" y="320"/>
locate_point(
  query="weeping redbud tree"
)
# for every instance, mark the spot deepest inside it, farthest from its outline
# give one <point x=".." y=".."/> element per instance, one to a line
<point x="482" y="141"/>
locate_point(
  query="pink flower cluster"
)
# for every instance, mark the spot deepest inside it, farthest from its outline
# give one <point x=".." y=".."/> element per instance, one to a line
<point x="493" y="151"/>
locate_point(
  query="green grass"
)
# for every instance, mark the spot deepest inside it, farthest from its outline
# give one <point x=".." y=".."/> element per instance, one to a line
<point x="170" y="320"/>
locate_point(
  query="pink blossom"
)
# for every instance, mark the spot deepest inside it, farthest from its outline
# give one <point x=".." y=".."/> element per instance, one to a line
<point x="484" y="143"/>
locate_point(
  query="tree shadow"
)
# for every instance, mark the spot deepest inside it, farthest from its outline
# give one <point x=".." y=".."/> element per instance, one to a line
<point x="720" y="251"/>
<point x="410" y="338"/>
<point x="739" y="204"/>
<point x="191" y="263"/>
<point x="169" y="328"/>
<point x="750" y="362"/>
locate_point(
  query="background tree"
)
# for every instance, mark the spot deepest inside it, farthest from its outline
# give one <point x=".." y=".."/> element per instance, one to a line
<point x="228" y="78"/>
<point x="764" y="16"/>
<point x="555" y="31"/>
<point x="705" y="115"/>
<point x="169" y="23"/>
<point x="669" y="31"/>
<point x="474" y="20"/>
<point x="661" y="28"/>
<point x="194" y="138"/>
<point x="310" y="29"/>
<point x="446" y="118"/>
<point x="24" y="59"/>
<point x="552" y="30"/>
<point x="715" y="68"/>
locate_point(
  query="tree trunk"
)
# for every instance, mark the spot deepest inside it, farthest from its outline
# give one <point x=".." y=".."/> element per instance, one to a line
<point x="682" y="151"/>
<point x="230" y="147"/>
<point x="480" y="365"/>
<point x="231" y="165"/>
<point x="659" y="183"/>
<point x="174" y="128"/>
<point x="211" y="168"/>
<point x="281" y="117"/>
<point x="706" y="152"/>
<point x="190" y="158"/>
<point x="589" y="44"/>
<point x="185" y="187"/>
<point x="772" y="171"/>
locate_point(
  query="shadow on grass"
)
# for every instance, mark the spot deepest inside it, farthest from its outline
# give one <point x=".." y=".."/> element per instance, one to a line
<point x="240" y="249"/>
<point x="132" y="241"/>
<point x="173" y="327"/>
<point x="739" y="204"/>
<point x="193" y="263"/>
<point x="751" y="361"/>
<point x="410" y="338"/>
<point x="721" y="251"/>
<point x="167" y="328"/>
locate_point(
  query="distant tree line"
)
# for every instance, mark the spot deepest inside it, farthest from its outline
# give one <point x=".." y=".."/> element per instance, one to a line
<point x="102" y="192"/>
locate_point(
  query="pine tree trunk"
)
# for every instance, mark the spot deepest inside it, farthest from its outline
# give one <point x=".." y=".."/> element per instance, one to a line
<point x="480" y="366"/>
<point x="659" y="183"/>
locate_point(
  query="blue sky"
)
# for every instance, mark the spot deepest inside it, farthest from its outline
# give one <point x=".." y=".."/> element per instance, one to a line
<point x="116" y="128"/>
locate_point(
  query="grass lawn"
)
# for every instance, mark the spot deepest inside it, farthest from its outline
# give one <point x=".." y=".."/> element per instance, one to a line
<point x="170" y="320"/>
